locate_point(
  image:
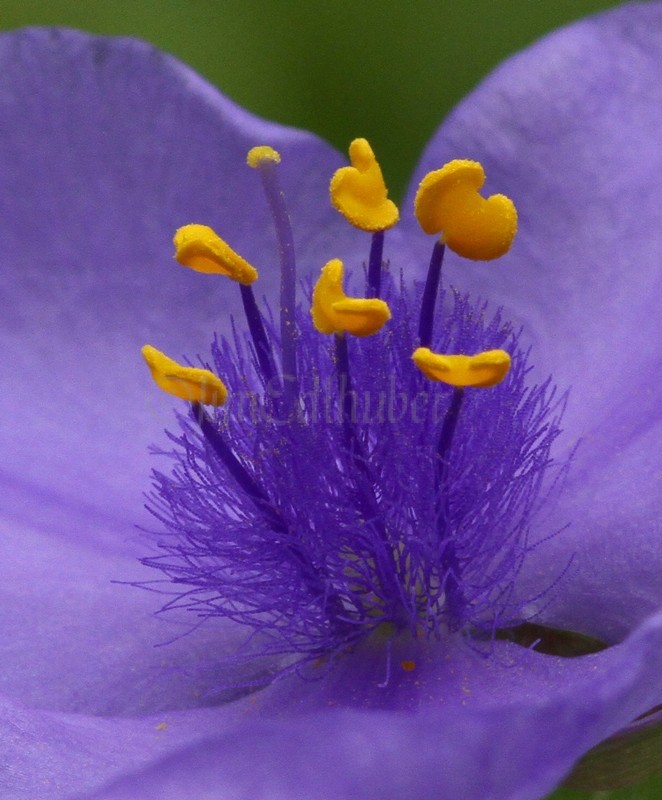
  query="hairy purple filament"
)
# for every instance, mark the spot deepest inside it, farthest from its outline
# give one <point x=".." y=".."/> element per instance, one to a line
<point x="447" y="556"/>
<point x="251" y="488"/>
<point x="367" y="498"/>
<point x="365" y="482"/>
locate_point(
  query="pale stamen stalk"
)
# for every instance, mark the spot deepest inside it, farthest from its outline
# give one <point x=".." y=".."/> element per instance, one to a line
<point x="268" y="170"/>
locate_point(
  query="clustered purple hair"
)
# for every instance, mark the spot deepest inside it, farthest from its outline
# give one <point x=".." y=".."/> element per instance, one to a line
<point x="316" y="524"/>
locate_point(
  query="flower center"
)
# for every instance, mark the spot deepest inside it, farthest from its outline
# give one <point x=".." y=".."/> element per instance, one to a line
<point x="388" y="476"/>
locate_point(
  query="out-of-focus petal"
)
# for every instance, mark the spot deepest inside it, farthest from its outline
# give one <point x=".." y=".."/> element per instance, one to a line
<point x="471" y="738"/>
<point x="52" y="756"/>
<point x="74" y="640"/>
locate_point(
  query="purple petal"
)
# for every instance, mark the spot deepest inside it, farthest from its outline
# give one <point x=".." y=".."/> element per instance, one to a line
<point x="73" y="639"/>
<point x="467" y="740"/>
<point x="51" y="756"/>
<point x="570" y="129"/>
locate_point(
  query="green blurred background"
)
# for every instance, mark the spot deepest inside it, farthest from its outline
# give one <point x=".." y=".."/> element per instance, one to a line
<point x="388" y="70"/>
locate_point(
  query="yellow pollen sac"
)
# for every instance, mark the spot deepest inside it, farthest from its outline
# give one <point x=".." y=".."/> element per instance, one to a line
<point x="359" y="191"/>
<point x="262" y="153"/>
<point x="482" y="370"/>
<point x="448" y="202"/>
<point x="187" y="383"/>
<point x="333" y="312"/>
<point x="202" y="249"/>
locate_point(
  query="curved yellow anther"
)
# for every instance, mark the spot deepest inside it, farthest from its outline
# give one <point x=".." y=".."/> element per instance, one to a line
<point x="202" y="249"/>
<point x="262" y="153"/>
<point x="485" y="369"/>
<point x="188" y="383"/>
<point x="359" y="191"/>
<point x="333" y="312"/>
<point x="448" y="202"/>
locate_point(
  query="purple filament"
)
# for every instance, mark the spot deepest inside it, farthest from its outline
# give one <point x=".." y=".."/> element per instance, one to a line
<point x="447" y="432"/>
<point x="430" y="295"/>
<point x="375" y="265"/>
<point x="345" y="391"/>
<point x="260" y="340"/>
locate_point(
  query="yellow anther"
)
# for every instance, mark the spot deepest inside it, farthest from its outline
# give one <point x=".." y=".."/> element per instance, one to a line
<point x="448" y="202"/>
<point x="262" y="153"/>
<point x="482" y="370"/>
<point x="201" y="249"/>
<point x="188" y="383"/>
<point x="359" y="191"/>
<point x="334" y="312"/>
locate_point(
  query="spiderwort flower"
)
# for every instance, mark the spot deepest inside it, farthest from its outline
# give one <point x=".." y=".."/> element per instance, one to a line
<point x="99" y="167"/>
<point x="316" y="531"/>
